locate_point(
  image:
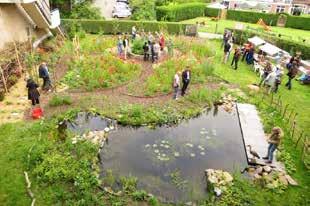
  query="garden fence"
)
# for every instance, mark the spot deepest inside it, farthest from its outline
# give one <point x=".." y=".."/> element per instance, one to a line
<point x="288" y="114"/>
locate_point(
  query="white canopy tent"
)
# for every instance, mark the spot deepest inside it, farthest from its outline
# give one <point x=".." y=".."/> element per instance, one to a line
<point x="256" y="41"/>
<point x="270" y="49"/>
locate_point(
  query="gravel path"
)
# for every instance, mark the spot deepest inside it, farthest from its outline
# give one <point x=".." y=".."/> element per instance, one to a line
<point x="106" y="7"/>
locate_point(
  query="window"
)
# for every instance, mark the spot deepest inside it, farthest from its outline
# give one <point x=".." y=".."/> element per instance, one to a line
<point x="280" y="9"/>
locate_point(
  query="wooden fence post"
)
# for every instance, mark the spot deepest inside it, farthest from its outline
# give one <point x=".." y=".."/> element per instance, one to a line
<point x="300" y="137"/>
<point x="279" y="100"/>
<point x="284" y="112"/>
<point x="293" y="129"/>
<point x="290" y="115"/>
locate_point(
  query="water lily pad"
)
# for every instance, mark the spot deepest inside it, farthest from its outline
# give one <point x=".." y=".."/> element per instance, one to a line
<point x="147" y="145"/>
<point x="208" y="137"/>
<point x="201" y="147"/>
<point x="167" y="146"/>
<point x="162" y="145"/>
<point x="202" y="153"/>
<point x="163" y="155"/>
<point x="192" y="155"/>
<point x="154" y="145"/>
<point x="156" y="151"/>
<point x="189" y="145"/>
<point x="176" y="154"/>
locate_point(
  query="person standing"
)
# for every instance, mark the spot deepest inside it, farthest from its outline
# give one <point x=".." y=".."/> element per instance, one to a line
<point x="146" y="51"/>
<point x="236" y="58"/>
<point x="126" y="46"/>
<point x="170" y="47"/>
<point x="293" y="70"/>
<point x="274" y="140"/>
<point x="227" y="47"/>
<point x="176" y="85"/>
<point x="186" y="76"/>
<point x="133" y="32"/>
<point x="162" y="42"/>
<point x="277" y="81"/>
<point x="267" y="71"/>
<point x="119" y="46"/>
<point x="44" y="74"/>
<point x="157" y="51"/>
<point x="33" y="93"/>
<point x="152" y="45"/>
<point x="246" y="50"/>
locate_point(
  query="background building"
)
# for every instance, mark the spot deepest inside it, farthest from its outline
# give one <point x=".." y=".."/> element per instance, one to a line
<point x="27" y="20"/>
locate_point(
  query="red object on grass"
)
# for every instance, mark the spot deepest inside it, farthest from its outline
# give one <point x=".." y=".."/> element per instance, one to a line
<point x="37" y="113"/>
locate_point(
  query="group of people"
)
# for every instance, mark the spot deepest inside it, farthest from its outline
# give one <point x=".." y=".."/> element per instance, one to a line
<point x="186" y="77"/>
<point x="269" y="72"/>
<point x="32" y="86"/>
<point x="154" y="44"/>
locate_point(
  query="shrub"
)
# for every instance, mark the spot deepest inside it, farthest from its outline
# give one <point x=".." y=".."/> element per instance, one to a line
<point x="298" y="22"/>
<point x="137" y="46"/>
<point x="252" y="17"/>
<point x="211" y="12"/>
<point x="60" y="100"/>
<point x="84" y="11"/>
<point x="114" y="26"/>
<point x="143" y="10"/>
<point x="179" y="12"/>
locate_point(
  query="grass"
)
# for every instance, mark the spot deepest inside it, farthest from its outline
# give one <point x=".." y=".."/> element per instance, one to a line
<point x="219" y="26"/>
<point x="65" y="174"/>
<point x="298" y="98"/>
<point x="60" y="100"/>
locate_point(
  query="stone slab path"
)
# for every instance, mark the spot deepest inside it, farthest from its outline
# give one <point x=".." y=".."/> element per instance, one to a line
<point x="253" y="132"/>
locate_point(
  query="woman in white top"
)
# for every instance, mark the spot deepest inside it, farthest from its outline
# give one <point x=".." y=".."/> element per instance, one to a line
<point x="176" y="85"/>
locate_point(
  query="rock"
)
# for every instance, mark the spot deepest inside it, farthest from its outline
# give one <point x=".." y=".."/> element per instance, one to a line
<point x="251" y="170"/>
<point x="259" y="170"/>
<point x="217" y="191"/>
<point x="257" y="176"/>
<point x="267" y="169"/>
<point x="283" y="180"/>
<point x="253" y="88"/>
<point x="227" y="177"/>
<point x="290" y="180"/>
<point x="107" y="129"/>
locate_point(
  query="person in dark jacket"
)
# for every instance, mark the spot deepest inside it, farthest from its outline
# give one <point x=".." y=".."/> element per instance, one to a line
<point x="293" y="70"/>
<point x="186" y="76"/>
<point x="146" y="51"/>
<point x="227" y="47"/>
<point x="43" y="73"/>
<point x="33" y="93"/>
<point x="236" y="58"/>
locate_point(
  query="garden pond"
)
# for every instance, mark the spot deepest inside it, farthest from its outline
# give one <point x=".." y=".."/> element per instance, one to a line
<point x="170" y="161"/>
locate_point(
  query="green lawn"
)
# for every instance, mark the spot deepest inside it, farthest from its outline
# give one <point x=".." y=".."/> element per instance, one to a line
<point x="298" y="98"/>
<point x="287" y="33"/>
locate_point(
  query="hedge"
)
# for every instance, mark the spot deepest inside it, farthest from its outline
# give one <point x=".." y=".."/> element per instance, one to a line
<point x="298" y="22"/>
<point x="252" y="17"/>
<point x="211" y="12"/>
<point x="180" y="12"/>
<point x="116" y="26"/>
<point x="287" y="45"/>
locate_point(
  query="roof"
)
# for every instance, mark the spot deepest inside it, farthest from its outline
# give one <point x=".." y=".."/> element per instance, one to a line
<point x="270" y="49"/>
<point x="256" y="41"/>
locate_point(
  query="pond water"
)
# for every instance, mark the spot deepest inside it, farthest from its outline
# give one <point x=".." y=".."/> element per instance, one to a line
<point x="85" y="122"/>
<point x="169" y="162"/>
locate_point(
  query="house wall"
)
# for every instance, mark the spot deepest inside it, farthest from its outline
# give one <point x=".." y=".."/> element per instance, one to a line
<point x="15" y="26"/>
